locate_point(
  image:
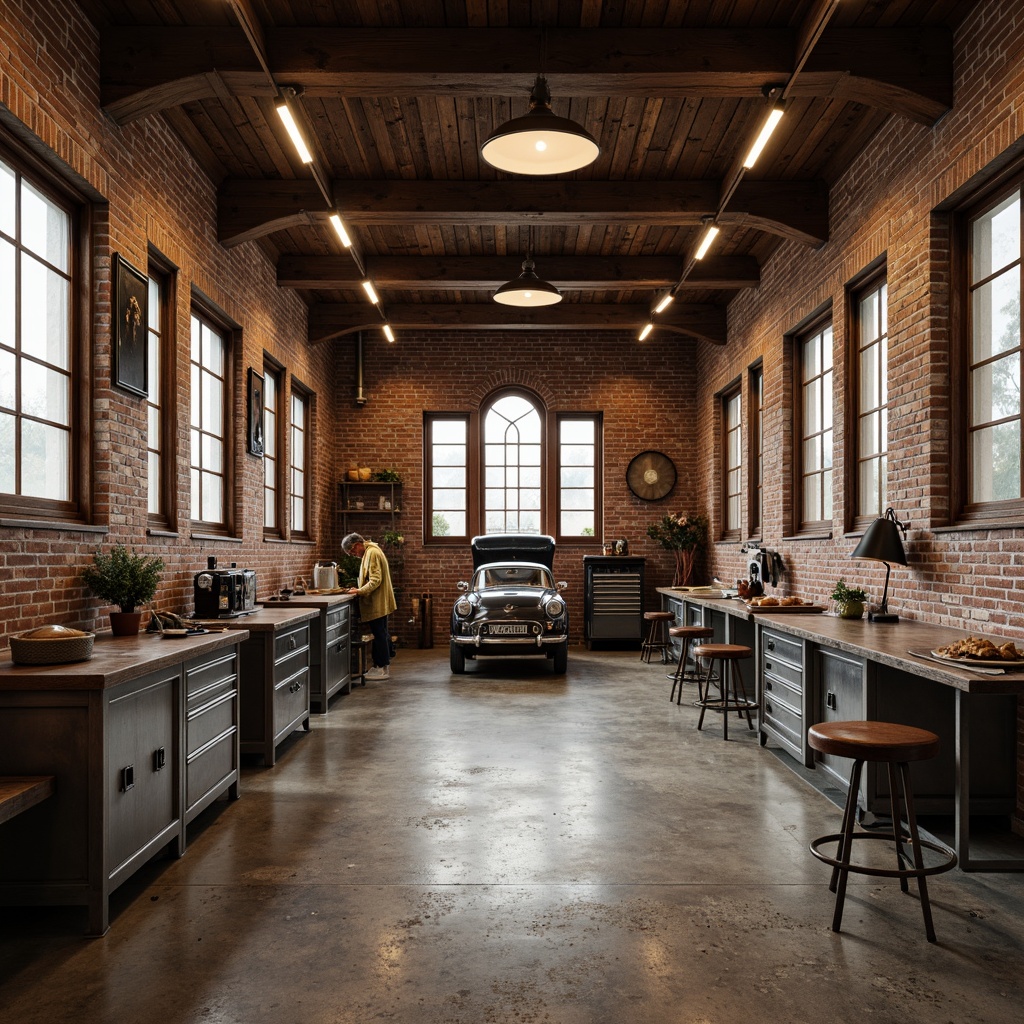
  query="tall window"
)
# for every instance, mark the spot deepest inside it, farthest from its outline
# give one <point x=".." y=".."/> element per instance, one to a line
<point x="994" y="352"/>
<point x="209" y="379"/>
<point x="298" y="454"/>
<point x="37" y="286"/>
<point x="755" y="506"/>
<point x="814" y="461"/>
<point x="271" y="461"/>
<point x="491" y="471"/>
<point x="871" y="330"/>
<point x="512" y="466"/>
<point x="577" y="476"/>
<point x="160" y="400"/>
<point x="732" y="462"/>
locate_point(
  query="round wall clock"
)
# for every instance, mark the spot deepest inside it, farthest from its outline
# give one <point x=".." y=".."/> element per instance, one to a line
<point x="651" y="475"/>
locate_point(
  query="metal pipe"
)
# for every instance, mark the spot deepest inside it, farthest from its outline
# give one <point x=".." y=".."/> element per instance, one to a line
<point x="360" y="397"/>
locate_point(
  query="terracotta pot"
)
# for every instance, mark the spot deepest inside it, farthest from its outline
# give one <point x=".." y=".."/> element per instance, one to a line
<point x="125" y="623"/>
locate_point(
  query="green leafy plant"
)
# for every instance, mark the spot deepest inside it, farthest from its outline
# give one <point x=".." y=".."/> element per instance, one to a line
<point x="842" y="594"/>
<point x="388" y="476"/>
<point x="392" y="539"/>
<point x="681" y="532"/>
<point x="348" y="570"/>
<point x="439" y="525"/>
<point x="124" y="578"/>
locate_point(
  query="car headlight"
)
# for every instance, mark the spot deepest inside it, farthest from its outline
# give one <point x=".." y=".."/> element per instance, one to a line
<point x="554" y="608"/>
<point x="464" y="607"/>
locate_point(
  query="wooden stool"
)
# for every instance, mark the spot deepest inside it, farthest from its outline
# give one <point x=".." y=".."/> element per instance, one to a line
<point x="361" y="658"/>
<point x="657" y="638"/>
<point x="688" y="635"/>
<point x="732" y="693"/>
<point x="896" y="745"/>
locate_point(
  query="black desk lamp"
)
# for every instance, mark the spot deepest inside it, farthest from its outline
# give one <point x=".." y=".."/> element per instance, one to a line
<point x="882" y="543"/>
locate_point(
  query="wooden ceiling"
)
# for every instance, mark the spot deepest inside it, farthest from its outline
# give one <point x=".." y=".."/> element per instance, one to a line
<point x="398" y="96"/>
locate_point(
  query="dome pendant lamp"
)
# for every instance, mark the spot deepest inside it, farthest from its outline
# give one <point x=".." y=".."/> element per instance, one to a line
<point x="540" y="142"/>
<point x="528" y="289"/>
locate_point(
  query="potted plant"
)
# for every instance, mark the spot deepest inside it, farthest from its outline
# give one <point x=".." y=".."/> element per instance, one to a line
<point x="126" y="579"/>
<point x="387" y="476"/>
<point x="683" y="535"/>
<point x="849" y="600"/>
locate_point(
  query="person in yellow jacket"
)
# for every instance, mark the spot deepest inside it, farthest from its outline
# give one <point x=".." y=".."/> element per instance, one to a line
<point x="376" y="598"/>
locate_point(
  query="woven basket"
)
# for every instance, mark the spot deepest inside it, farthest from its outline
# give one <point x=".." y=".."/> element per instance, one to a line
<point x="51" y="651"/>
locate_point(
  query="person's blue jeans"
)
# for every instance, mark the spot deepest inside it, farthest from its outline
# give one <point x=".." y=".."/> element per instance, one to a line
<point x="381" y="648"/>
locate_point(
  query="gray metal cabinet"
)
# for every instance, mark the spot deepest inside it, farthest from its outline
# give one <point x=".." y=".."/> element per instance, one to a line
<point x="613" y="599"/>
<point x="211" y="730"/>
<point x="842" y="688"/>
<point x="781" y="661"/>
<point x="330" y="650"/>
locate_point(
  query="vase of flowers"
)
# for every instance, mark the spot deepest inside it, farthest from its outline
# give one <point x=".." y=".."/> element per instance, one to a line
<point x="684" y="535"/>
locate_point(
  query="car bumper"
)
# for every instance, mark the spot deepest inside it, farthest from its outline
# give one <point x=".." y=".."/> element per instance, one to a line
<point x="511" y="643"/>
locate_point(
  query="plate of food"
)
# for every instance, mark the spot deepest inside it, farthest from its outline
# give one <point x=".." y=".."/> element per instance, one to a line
<point x="974" y="650"/>
<point x="782" y="604"/>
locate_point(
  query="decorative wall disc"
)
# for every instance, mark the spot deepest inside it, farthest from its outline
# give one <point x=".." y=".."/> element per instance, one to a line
<point x="651" y="475"/>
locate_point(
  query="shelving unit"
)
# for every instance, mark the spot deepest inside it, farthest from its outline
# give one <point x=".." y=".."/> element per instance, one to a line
<point x="370" y="493"/>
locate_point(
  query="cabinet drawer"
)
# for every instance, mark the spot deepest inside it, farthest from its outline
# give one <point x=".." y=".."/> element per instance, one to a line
<point x="779" y="647"/>
<point x="209" y="675"/>
<point x="291" y="701"/>
<point x="209" y="769"/>
<point x="338" y="658"/>
<point x="784" y="719"/>
<point x="785" y="690"/>
<point x="338" y="617"/>
<point x="211" y="719"/>
<point x="290" y="643"/>
<point x="780" y="669"/>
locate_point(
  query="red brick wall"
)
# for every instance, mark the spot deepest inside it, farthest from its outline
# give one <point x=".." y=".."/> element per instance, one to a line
<point x="154" y="195"/>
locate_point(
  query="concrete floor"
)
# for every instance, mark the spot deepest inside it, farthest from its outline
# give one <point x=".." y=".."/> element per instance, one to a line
<point x="508" y="846"/>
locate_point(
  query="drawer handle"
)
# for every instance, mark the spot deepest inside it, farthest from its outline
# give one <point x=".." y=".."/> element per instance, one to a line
<point x="768" y="665"/>
<point x="768" y="709"/>
<point x="830" y="701"/>
<point x="159" y="759"/>
<point x="127" y="778"/>
<point x="295" y="687"/>
<point x="770" y="644"/>
<point x="767" y="684"/>
<point x="340" y="649"/>
<point x="292" y="643"/>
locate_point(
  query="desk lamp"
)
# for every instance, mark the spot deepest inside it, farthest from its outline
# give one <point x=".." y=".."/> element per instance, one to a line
<point x="882" y="543"/>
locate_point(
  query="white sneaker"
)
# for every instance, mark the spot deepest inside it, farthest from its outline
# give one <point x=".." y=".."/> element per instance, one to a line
<point x="377" y="673"/>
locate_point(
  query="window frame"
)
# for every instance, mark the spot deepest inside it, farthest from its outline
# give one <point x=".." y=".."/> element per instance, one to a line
<point x="205" y="310"/>
<point x="299" y="392"/>
<point x="816" y="325"/>
<point x="472" y="489"/>
<point x="274" y="371"/>
<point x="755" y="451"/>
<point x="554" y="470"/>
<point x="163" y="272"/>
<point x="872" y="280"/>
<point x="731" y="400"/>
<point x="963" y="509"/>
<point x="77" y="508"/>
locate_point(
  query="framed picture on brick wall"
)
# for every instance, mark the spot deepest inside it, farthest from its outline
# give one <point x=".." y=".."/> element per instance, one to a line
<point x="131" y="348"/>
<point x="255" y="408"/>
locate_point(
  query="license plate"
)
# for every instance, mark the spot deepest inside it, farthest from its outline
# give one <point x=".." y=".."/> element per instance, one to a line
<point x="508" y="629"/>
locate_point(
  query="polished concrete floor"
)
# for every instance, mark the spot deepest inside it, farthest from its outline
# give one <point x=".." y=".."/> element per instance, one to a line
<point x="507" y="847"/>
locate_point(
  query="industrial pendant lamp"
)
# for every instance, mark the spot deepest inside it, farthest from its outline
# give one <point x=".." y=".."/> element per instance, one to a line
<point x="528" y="289"/>
<point x="540" y="142"/>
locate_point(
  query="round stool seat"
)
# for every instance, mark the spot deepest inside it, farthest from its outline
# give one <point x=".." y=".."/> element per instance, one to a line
<point x="728" y="652"/>
<point x="692" y="632"/>
<point x="873" y="741"/>
<point x="660" y="616"/>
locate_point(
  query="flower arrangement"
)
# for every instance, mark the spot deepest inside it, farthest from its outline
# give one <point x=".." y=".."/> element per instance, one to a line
<point x="682" y="534"/>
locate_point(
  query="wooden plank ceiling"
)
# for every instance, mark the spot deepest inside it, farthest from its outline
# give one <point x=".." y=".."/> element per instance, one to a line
<point x="398" y="96"/>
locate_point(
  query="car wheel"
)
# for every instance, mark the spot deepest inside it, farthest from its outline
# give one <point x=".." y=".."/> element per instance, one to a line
<point x="458" y="659"/>
<point x="560" y="660"/>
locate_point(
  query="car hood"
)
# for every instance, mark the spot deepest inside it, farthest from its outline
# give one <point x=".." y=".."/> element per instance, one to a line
<point x="513" y="547"/>
<point x="518" y="597"/>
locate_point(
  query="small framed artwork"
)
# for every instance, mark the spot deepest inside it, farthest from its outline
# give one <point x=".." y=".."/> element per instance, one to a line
<point x="131" y="346"/>
<point x="255" y="435"/>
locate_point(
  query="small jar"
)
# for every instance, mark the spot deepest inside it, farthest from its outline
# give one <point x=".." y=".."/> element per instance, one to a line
<point x="381" y="503"/>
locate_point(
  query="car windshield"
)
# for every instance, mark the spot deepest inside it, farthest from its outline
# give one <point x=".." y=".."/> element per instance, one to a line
<point x="512" y="576"/>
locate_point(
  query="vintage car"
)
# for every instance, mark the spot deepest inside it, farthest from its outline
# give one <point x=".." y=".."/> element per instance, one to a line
<point x="512" y="607"/>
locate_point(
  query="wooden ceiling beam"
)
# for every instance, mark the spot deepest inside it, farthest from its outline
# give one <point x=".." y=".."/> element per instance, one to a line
<point x="145" y="69"/>
<point x="429" y="273"/>
<point x="333" y="320"/>
<point x="251" y="208"/>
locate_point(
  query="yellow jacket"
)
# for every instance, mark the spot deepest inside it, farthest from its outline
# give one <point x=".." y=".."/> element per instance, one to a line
<point x="376" y="596"/>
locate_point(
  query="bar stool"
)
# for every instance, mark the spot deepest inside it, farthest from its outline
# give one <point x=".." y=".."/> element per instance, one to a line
<point x="687" y="635"/>
<point x="896" y="746"/>
<point x="732" y="693"/>
<point x="657" y="638"/>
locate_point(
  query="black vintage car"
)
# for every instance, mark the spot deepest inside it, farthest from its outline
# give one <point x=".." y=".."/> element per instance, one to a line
<point x="512" y="607"/>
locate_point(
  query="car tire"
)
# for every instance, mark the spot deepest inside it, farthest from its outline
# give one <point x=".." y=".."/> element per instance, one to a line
<point x="560" y="659"/>
<point x="458" y="659"/>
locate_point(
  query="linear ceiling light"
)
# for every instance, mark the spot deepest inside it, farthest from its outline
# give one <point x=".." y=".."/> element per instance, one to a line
<point x="666" y="301"/>
<point x="340" y="228"/>
<point x="288" y="120"/>
<point x="705" y="243"/>
<point x="540" y="142"/>
<point x="370" y="293"/>
<point x="388" y="333"/>
<point x="527" y="290"/>
<point x="769" y="126"/>
<point x="647" y="330"/>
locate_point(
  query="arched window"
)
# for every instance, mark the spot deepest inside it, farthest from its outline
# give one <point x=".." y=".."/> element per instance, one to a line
<point x="511" y="467"/>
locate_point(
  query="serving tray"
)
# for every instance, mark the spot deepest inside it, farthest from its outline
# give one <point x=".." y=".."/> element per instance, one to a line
<point x="985" y="662"/>
<point x="775" y="609"/>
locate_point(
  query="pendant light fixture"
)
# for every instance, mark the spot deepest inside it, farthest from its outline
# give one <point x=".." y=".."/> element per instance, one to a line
<point x="528" y="289"/>
<point x="540" y="142"/>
